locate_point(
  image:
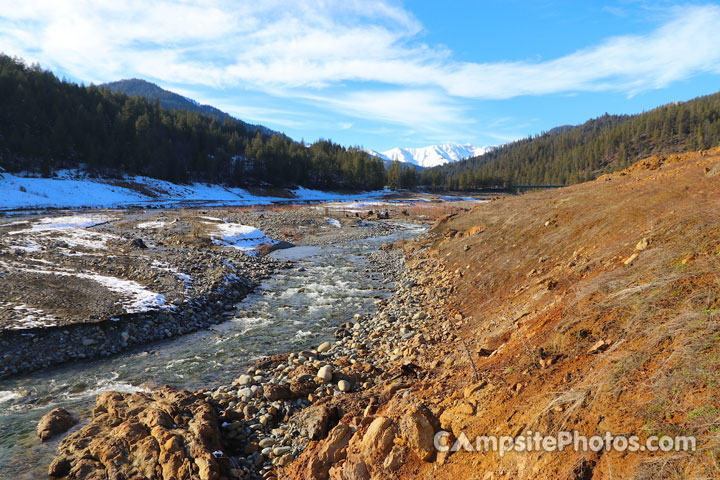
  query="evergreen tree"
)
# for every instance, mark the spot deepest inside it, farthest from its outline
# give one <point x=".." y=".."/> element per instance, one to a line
<point x="47" y="124"/>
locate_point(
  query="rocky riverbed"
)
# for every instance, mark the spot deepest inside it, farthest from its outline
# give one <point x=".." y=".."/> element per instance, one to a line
<point x="269" y="415"/>
<point x="282" y="405"/>
<point x="78" y="286"/>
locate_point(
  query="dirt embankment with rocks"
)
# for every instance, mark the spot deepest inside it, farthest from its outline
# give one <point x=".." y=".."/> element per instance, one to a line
<point x="592" y="308"/>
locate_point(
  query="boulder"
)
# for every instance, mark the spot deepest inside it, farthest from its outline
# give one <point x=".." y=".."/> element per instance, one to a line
<point x="378" y="438"/>
<point x="163" y="434"/>
<point x="355" y="471"/>
<point x="277" y="392"/>
<point x="137" y="243"/>
<point x="315" y="421"/>
<point x="59" y="467"/>
<point x="417" y="429"/>
<point x="395" y="459"/>
<point x="53" y="423"/>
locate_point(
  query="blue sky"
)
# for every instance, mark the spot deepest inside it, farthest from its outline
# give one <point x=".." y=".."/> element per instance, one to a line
<point x="382" y="74"/>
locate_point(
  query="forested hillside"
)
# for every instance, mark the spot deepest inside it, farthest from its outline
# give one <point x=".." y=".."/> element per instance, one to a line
<point x="136" y="87"/>
<point x="47" y="124"/>
<point x="567" y="155"/>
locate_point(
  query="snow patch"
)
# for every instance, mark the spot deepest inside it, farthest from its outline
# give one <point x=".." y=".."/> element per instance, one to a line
<point x="152" y="224"/>
<point x="139" y="299"/>
<point x="184" y="277"/>
<point x="64" y="222"/>
<point x="72" y="189"/>
<point x="136" y="298"/>
<point x="245" y="238"/>
<point x="68" y="229"/>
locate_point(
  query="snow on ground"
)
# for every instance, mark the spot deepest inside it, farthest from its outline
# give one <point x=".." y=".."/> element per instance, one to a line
<point x="183" y="277"/>
<point x="22" y="192"/>
<point x="34" y="317"/>
<point x="135" y="297"/>
<point x="70" y="229"/>
<point x="70" y="221"/>
<point x="73" y="190"/>
<point x="242" y="237"/>
<point x="358" y="206"/>
<point x="333" y="222"/>
<point x="152" y="224"/>
<point x="307" y="194"/>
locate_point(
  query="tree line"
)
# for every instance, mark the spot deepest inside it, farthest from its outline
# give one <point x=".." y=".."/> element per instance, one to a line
<point x="47" y="124"/>
<point x="568" y="155"/>
<point x="401" y="176"/>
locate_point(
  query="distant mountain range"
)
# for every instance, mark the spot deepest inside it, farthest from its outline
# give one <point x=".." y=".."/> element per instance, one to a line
<point x="136" y="87"/>
<point x="431" y="156"/>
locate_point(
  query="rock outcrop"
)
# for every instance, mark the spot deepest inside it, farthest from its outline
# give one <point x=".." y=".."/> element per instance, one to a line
<point x="165" y="434"/>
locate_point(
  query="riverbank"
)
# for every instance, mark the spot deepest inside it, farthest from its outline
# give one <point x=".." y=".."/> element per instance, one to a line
<point x="270" y="414"/>
<point x="528" y="314"/>
<point x="328" y="282"/>
<point x="79" y="286"/>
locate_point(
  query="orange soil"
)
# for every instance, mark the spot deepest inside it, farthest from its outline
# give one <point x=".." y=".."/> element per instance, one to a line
<point x="594" y="308"/>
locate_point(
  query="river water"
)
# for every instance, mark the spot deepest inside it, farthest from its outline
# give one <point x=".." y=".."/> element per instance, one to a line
<point x="296" y="309"/>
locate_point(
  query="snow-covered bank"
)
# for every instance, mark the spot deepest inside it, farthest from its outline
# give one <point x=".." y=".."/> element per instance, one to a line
<point x="72" y="191"/>
<point x="245" y="238"/>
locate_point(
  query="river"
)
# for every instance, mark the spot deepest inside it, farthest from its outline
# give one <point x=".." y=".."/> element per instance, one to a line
<point x="295" y="309"/>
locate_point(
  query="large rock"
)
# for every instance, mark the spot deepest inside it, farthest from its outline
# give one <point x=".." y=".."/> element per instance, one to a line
<point x="160" y="435"/>
<point x="355" y="470"/>
<point x="395" y="459"/>
<point x="378" y="438"/>
<point x="417" y="429"/>
<point x="325" y="373"/>
<point x="333" y="450"/>
<point x="54" y="423"/>
<point x="315" y="421"/>
<point x="277" y="392"/>
<point x="295" y="389"/>
<point x="59" y="467"/>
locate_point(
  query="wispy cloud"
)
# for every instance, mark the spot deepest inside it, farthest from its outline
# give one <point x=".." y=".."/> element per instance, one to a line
<point x="423" y="108"/>
<point x="365" y="58"/>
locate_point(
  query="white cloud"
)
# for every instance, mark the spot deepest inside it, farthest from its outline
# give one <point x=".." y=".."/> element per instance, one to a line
<point x="369" y="52"/>
<point x="685" y="46"/>
<point x="421" y="108"/>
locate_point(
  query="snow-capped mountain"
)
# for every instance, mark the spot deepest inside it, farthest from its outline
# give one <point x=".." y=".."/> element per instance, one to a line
<point x="431" y="156"/>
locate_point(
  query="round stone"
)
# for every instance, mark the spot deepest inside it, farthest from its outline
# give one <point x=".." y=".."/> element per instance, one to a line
<point x="325" y="373"/>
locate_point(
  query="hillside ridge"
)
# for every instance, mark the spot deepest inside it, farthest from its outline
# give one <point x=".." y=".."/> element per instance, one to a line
<point x="567" y="155"/>
<point x="134" y="87"/>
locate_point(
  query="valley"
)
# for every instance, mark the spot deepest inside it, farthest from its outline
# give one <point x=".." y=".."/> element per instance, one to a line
<point x="520" y="313"/>
<point x="377" y="240"/>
